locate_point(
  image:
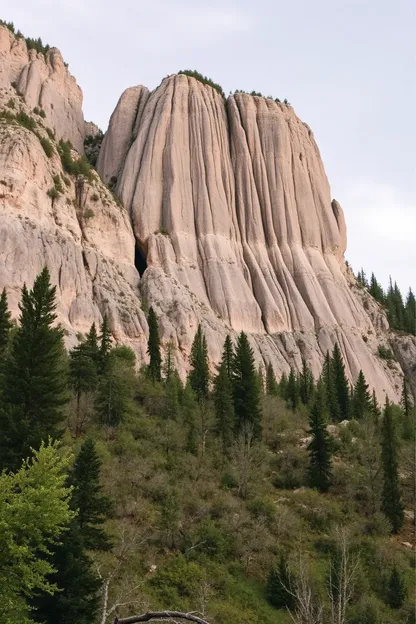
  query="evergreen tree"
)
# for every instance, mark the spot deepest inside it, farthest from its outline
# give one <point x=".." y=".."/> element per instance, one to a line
<point x="87" y="498"/>
<point x="272" y="388"/>
<point x="168" y="365"/>
<point x="114" y="392"/>
<point x="396" y="591"/>
<point x="319" y="448"/>
<point x="246" y="392"/>
<point x="306" y="385"/>
<point x="173" y="388"/>
<point x="227" y="356"/>
<point x="328" y="381"/>
<point x="105" y="345"/>
<point x="35" y="377"/>
<point x="279" y="588"/>
<point x="361" y="399"/>
<point x="92" y="346"/>
<point x="391" y="495"/>
<point x="4" y="333"/>
<point x="374" y="405"/>
<point x="283" y="386"/>
<point x="376" y="290"/>
<point x="410" y="313"/>
<point x="341" y="383"/>
<point x="78" y="600"/>
<point x="407" y="409"/>
<point x="199" y="372"/>
<point x="224" y="409"/>
<point x="292" y="390"/>
<point x="153" y="348"/>
<point x="83" y="377"/>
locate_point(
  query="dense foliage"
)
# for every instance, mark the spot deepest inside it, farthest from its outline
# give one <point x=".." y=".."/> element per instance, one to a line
<point x="32" y="44"/>
<point x="223" y="495"/>
<point x="193" y="73"/>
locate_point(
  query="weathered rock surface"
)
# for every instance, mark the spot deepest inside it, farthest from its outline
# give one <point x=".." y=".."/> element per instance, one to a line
<point x="227" y="203"/>
<point x="44" y="82"/>
<point x="230" y="204"/>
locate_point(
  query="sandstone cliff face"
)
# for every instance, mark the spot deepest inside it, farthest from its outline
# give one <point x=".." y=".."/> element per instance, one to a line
<point x="228" y="206"/>
<point x="44" y="82"/>
<point x="231" y="206"/>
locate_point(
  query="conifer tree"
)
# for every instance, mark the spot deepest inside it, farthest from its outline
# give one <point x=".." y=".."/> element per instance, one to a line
<point x="361" y="399"/>
<point x="396" y="591"/>
<point x="319" y="448"/>
<point x="4" y="333"/>
<point x="283" y="386"/>
<point x="341" y="383"/>
<point x="82" y="375"/>
<point x="410" y="313"/>
<point x="272" y="388"/>
<point x="35" y="377"/>
<point x="224" y="408"/>
<point x="153" y="348"/>
<point x="306" y="385"/>
<point x="114" y="392"/>
<point x="227" y="356"/>
<point x="374" y="405"/>
<point x="279" y="588"/>
<point x="92" y="346"/>
<point x="246" y="392"/>
<point x="105" y="344"/>
<point x="376" y="290"/>
<point x="199" y="372"/>
<point x="392" y="505"/>
<point x="91" y="505"/>
<point x="168" y="365"/>
<point x="292" y="390"/>
<point x="407" y="409"/>
<point x="328" y="381"/>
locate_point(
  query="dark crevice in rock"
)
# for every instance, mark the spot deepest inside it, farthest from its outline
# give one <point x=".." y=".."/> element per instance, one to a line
<point x="140" y="261"/>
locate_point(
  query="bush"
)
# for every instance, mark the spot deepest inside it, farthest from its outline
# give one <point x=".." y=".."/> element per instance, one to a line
<point x="11" y="103"/>
<point x="42" y="113"/>
<point x="51" y="134"/>
<point x="58" y="183"/>
<point x="207" y="81"/>
<point x="36" y="110"/>
<point x="95" y="197"/>
<point x="384" y="353"/>
<point x="47" y="146"/>
<point x="26" y="121"/>
<point x="53" y="193"/>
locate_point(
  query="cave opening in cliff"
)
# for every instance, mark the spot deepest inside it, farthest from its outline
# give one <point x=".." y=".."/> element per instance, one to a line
<point x="140" y="260"/>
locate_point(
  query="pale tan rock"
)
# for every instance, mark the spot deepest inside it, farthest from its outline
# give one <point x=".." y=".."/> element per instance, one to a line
<point x="44" y="82"/>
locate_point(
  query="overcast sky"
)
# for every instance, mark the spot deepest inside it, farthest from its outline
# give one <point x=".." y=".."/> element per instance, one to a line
<point x="347" y="67"/>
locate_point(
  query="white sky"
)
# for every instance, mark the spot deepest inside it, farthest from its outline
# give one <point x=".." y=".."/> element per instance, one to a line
<point x="347" y="67"/>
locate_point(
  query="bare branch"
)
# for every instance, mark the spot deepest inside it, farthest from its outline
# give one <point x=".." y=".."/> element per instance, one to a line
<point x="159" y="616"/>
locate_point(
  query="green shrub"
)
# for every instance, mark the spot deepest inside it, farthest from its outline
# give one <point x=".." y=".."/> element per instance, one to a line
<point x="36" y="110"/>
<point x="11" y="103"/>
<point x="95" y="197"/>
<point x="88" y="214"/>
<point x="42" y="113"/>
<point x="207" y="81"/>
<point x="47" y="146"/>
<point x="58" y="183"/>
<point x="384" y="353"/>
<point x="53" y="193"/>
<point x="26" y="121"/>
<point x="51" y="134"/>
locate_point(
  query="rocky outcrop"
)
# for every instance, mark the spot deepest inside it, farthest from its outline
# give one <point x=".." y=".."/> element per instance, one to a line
<point x="44" y="82"/>
<point x="231" y="206"/>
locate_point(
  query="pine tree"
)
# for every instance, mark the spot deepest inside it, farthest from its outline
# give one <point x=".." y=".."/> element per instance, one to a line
<point x="105" y="344"/>
<point x="328" y="381"/>
<point x="4" y="333"/>
<point x="92" y="346"/>
<point x="319" y="448"/>
<point x="396" y="591"/>
<point x="283" y="386"/>
<point x="77" y="601"/>
<point x="376" y="290"/>
<point x="199" y="372"/>
<point x="341" y="383"/>
<point x="224" y="408"/>
<point x="410" y="313"/>
<point x="153" y="348"/>
<point x="35" y="377"/>
<point x="279" y="588"/>
<point x="292" y="390"/>
<point x="306" y="385"/>
<point x="87" y="498"/>
<point x="168" y="365"/>
<point x="114" y="392"/>
<point x="83" y="377"/>
<point x="246" y="392"/>
<point x="392" y="505"/>
<point x="227" y="356"/>
<point x="272" y="388"/>
<point x="361" y="399"/>
<point x="407" y="409"/>
<point x="374" y="405"/>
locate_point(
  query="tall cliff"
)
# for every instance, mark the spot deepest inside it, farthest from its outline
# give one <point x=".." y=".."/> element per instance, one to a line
<point x="225" y="218"/>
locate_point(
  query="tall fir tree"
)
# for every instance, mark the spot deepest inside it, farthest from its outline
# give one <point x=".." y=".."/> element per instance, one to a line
<point x="410" y="313"/>
<point x="246" y="391"/>
<point x="328" y="381"/>
<point x="306" y="384"/>
<point x="320" y="446"/>
<point x="4" y="333"/>
<point x="105" y="345"/>
<point x="168" y="364"/>
<point x="342" y="388"/>
<point x="92" y="346"/>
<point x="292" y="390"/>
<point x="374" y="406"/>
<point x="376" y="290"/>
<point x="92" y="506"/>
<point x="83" y="377"/>
<point x="361" y="402"/>
<point x="396" y="589"/>
<point x="35" y="377"/>
<point x="199" y="371"/>
<point x="279" y="588"/>
<point x="227" y="356"/>
<point x="272" y="388"/>
<point x="392" y="505"/>
<point x="407" y="409"/>
<point x="283" y="386"/>
<point x="153" y="348"/>
<point x="114" y="392"/>
<point x="224" y="408"/>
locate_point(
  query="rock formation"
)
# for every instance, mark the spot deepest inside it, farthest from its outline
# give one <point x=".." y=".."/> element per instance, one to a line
<point x="44" y="82"/>
<point x="227" y="217"/>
